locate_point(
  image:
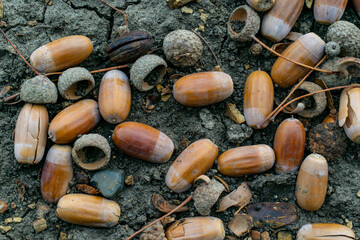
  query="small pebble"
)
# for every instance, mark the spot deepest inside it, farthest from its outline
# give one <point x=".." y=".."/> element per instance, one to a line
<point x="39" y="225"/>
<point x="13" y="220"/>
<point x="284" y="236"/>
<point x="5" y="229"/>
<point x="110" y="182"/>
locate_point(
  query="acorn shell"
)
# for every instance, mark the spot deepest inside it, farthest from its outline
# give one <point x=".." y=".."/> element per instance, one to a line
<point x="204" y="88"/>
<point x="38" y="90"/>
<point x="329" y="11"/>
<point x="74" y="83"/>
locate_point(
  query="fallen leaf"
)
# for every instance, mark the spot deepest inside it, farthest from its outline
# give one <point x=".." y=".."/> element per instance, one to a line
<point x="164" y="98"/>
<point x="234" y="114"/>
<point x="241" y="224"/>
<point x="239" y="197"/>
<point x="150" y="103"/>
<point x="163" y="206"/>
<point x="166" y="90"/>
<point x="159" y="87"/>
<point x="184" y="142"/>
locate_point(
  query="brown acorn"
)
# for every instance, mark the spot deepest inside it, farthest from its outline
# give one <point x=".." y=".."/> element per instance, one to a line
<point x="289" y="145"/>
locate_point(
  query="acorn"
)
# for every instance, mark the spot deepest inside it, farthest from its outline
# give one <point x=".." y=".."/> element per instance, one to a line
<point x="261" y="5"/>
<point x="114" y="96"/>
<point x="61" y="54"/>
<point x="280" y="19"/>
<point x="56" y="173"/>
<point x="328" y="231"/>
<point x="308" y="49"/>
<point x="246" y="160"/>
<point x="349" y="113"/>
<point x="357" y="6"/>
<point x="311" y="184"/>
<point x="193" y="162"/>
<point x="328" y="12"/>
<point x="31" y="134"/>
<point x="79" y="118"/>
<point x="289" y="145"/>
<point x="88" y="210"/>
<point x="258" y="98"/>
<point x="129" y="47"/>
<point x="143" y="142"/>
<point x="204" y="228"/>
<point x="202" y="89"/>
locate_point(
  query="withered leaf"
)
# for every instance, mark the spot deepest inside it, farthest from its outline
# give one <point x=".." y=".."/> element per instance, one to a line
<point x="241" y="224"/>
<point x="239" y="197"/>
<point x="273" y="214"/>
<point x="162" y="205"/>
<point x="234" y="114"/>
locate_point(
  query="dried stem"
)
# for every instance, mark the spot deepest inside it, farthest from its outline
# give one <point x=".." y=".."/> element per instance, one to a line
<point x="310" y="94"/>
<point x="290" y="60"/>
<point x="118" y="10"/>
<point x="208" y="45"/>
<point x="32" y="68"/>
<point x="95" y="71"/>
<point x="11" y="97"/>
<point x="289" y="95"/>
<point x="159" y="219"/>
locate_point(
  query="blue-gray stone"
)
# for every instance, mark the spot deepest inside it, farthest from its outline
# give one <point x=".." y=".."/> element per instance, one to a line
<point x="109" y="181"/>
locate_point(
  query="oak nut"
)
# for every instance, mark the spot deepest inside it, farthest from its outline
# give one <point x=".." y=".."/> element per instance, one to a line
<point x="38" y="90"/>
<point x="258" y="99"/>
<point x="61" y="54"/>
<point x="147" y="72"/>
<point x="245" y="160"/>
<point x="193" y="162"/>
<point x="75" y="83"/>
<point x="328" y="12"/>
<point x="204" y="88"/>
<point x="182" y="48"/>
<point x="311" y="184"/>
<point x="204" y="228"/>
<point x="114" y="96"/>
<point x="129" y="47"/>
<point x="261" y="5"/>
<point x="79" y="118"/>
<point x="57" y="173"/>
<point x="88" y="210"/>
<point x="143" y="142"/>
<point x="320" y="231"/>
<point x="31" y="134"/>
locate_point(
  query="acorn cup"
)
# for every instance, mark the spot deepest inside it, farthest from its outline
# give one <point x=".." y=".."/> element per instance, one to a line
<point x="202" y="89"/>
<point x="194" y="161"/>
<point x="143" y="142"/>
<point x="57" y="173"/>
<point x="328" y="231"/>
<point x="280" y="19"/>
<point x="311" y="184"/>
<point x="289" y="146"/>
<point x="79" y="118"/>
<point x="204" y="228"/>
<point x="349" y="113"/>
<point x="31" y="134"/>
<point x="88" y="210"/>
<point x="61" y="54"/>
<point x="329" y="11"/>
<point x="114" y="97"/>
<point x="246" y="160"/>
<point x="308" y="50"/>
<point x="258" y="98"/>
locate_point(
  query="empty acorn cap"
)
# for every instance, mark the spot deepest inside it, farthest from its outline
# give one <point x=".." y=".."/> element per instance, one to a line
<point x="75" y="83"/>
<point x="251" y="19"/>
<point x="91" y="151"/>
<point x="147" y="71"/>
<point x="39" y="90"/>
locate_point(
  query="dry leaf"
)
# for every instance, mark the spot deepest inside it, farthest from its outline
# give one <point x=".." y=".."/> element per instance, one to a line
<point x="241" y="224"/>
<point x="279" y="47"/>
<point x="247" y="66"/>
<point x="150" y="103"/>
<point x="159" y="87"/>
<point x="293" y="36"/>
<point x="164" y="98"/>
<point x="184" y="142"/>
<point x="309" y="3"/>
<point x="163" y="206"/>
<point x="234" y="114"/>
<point x="239" y="197"/>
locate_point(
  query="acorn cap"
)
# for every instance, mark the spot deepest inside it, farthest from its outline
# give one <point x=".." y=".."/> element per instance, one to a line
<point x="94" y="141"/>
<point x="245" y="14"/>
<point x="72" y="81"/>
<point x="148" y="66"/>
<point x="39" y="90"/>
<point x="347" y="35"/>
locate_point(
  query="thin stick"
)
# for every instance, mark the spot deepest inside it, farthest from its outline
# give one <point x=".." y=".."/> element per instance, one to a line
<point x="95" y="71"/>
<point x="34" y="70"/>
<point x="118" y="10"/>
<point x="289" y="95"/>
<point x="208" y="45"/>
<point x="223" y="182"/>
<point x="159" y="219"/>
<point x="310" y="94"/>
<point x="290" y="60"/>
<point x="11" y="97"/>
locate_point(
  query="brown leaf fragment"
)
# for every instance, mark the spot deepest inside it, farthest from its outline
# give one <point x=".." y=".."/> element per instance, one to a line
<point x="239" y="197"/>
<point x="184" y="142"/>
<point x="3" y="24"/>
<point x="279" y="47"/>
<point x="272" y="214"/>
<point x="163" y="206"/>
<point x="234" y="114"/>
<point x="21" y="189"/>
<point x="166" y="90"/>
<point x="241" y="224"/>
<point x="164" y="98"/>
<point x="151" y="100"/>
<point x="293" y="36"/>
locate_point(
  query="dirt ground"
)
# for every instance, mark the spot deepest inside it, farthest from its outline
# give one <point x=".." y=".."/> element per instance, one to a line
<point x="59" y="18"/>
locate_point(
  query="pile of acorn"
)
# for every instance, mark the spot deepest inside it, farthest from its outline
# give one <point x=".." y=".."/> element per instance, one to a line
<point x="183" y="49"/>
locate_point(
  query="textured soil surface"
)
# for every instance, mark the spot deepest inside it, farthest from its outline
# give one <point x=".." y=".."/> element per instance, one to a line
<point x="97" y="21"/>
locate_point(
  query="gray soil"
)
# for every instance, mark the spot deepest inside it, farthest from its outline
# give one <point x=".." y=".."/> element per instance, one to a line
<point x="99" y="23"/>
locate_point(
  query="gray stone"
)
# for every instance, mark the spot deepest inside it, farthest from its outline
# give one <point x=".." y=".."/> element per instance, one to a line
<point x="110" y="182"/>
<point x="238" y="133"/>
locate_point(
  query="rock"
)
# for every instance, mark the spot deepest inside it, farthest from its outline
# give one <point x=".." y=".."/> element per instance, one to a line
<point x="155" y="232"/>
<point x="110" y="182"/>
<point x="207" y="119"/>
<point x="238" y="133"/>
<point x="39" y="225"/>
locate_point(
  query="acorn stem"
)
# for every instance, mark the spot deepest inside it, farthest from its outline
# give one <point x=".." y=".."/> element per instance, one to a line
<point x="118" y="10"/>
<point x="290" y="60"/>
<point x="95" y="71"/>
<point x="289" y="95"/>
<point x="310" y="94"/>
<point x="208" y="45"/>
<point x="17" y="51"/>
<point x="159" y="219"/>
